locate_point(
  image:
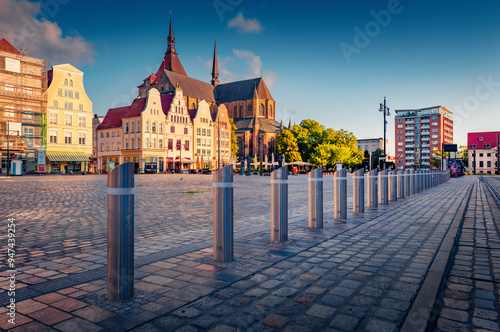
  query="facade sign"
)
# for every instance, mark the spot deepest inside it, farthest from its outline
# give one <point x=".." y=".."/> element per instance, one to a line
<point x="41" y="161"/>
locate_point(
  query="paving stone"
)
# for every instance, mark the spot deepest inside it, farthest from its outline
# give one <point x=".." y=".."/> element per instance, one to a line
<point x="320" y="311"/>
<point x="276" y="321"/>
<point x="345" y="323"/>
<point x="446" y="325"/>
<point x="453" y="314"/>
<point x="486" y="324"/>
<point x="377" y="325"/>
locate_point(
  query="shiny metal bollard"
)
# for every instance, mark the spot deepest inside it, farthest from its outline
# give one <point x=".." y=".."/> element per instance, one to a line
<point x="315" y="189"/>
<point x="223" y="219"/>
<point x="358" y="192"/>
<point x="408" y="182"/>
<point x="383" y="187"/>
<point x="279" y="205"/>
<point x="120" y="277"/>
<point x="421" y="180"/>
<point x="413" y="177"/>
<point x="401" y="184"/>
<point x="393" y="186"/>
<point x="372" y="189"/>
<point x="340" y="194"/>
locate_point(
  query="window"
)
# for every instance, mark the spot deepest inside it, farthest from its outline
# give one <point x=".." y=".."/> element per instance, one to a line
<point x="434" y="123"/>
<point x="82" y="137"/>
<point x="434" y="117"/>
<point x="172" y="129"/>
<point x="186" y="145"/>
<point x="198" y="141"/>
<point x="160" y="143"/>
<point x="434" y="130"/>
<point x="170" y="144"/>
<point x="102" y="146"/>
<point x="119" y="146"/>
<point x="185" y="131"/>
<point x="80" y="107"/>
<point x="473" y="146"/>
<point x="59" y="92"/>
<point x="68" y="94"/>
<point x="68" y="120"/>
<point x="153" y="127"/>
<point x="102" y="135"/>
<point x="480" y="155"/>
<point x="126" y="144"/>
<point x="154" y="143"/>
<point x="488" y="155"/>
<point x="146" y="142"/>
<point x="9" y="87"/>
<point x="487" y="146"/>
<point x="480" y="139"/>
<point x="113" y="146"/>
<point x="209" y="132"/>
<point x="488" y="163"/>
<point x="70" y="82"/>
<point x="178" y="144"/>
<point x="138" y="143"/>
<point x="107" y="146"/>
<point x="434" y="136"/>
<point x="118" y="133"/>
<point x="481" y="163"/>
<point x="203" y="132"/>
<point x="160" y="127"/>
<point x="400" y="126"/>
<point x="146" y="126"/>
<point x="400" y="143"/>
<point x="68" y="106"/>
<point x="132" y="143"/>
<point x="65" y="82"/>
<point x="67" y="137"/>
<point x="81" y="121"/>
<point x="138" y="126"/>
<point x="198" y="131"/>
<point x="54" y="104"/>
<point x="77" y="95"/>
<point x="53" y="118"/>
<point x="126" y="127"/>
<point x="53" y="137"/>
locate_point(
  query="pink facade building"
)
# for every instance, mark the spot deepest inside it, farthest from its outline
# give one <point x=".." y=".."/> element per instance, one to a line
<point x="483" y="152"/>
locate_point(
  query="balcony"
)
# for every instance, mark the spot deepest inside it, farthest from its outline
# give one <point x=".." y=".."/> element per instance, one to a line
<point x="410" y="158"/>
<point x="409" y="127"/>
<point x="409" y="163"/>
<point x="409" y="121"/>
<point x="425" y="121"/>
<point x="425" y="157"/>
<point x="409" y="133"/>
<point x="410" y="145"/>
<point x="425" y="126"/>
<point x="426" y="163"/>
<point x="409" y="139"/>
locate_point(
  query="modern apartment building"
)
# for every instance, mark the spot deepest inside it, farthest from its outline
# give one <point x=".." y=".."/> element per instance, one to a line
<point x="483" y="152"/>
<point x="23" y="81"/>
<point x="419" y="134"/>
<point x="69" y="125"/>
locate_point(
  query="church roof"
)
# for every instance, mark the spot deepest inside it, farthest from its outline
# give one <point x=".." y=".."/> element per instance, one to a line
<point x="191" y="86"/>
<point x="5" y="46"/>
<point x="241" y="90"/>
<point x="266" y="125"/>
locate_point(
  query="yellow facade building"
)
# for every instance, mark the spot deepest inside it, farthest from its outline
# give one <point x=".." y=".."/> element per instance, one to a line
<point x="69" y="121"/>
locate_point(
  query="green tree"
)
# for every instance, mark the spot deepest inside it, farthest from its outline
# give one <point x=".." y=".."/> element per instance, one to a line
<point x="436" y="161"/>
<point x="329" y="154"/>
<point x="234" y="141"/>
<point x="286" y="144"/>
<point x="376" y="157"/>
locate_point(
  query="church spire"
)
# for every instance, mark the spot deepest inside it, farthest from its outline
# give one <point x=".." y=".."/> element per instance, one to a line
<point x="171" y="39"/>
<point x="290" y="123"/>
<point x="215" y="68"/>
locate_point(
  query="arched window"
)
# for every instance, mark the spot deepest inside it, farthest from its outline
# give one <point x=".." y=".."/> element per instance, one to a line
<point x="146" y="126"/>
<point x="160" y="127"/>
<point x="70" y="82"/>
<point x="65" y="82"/>
<point x="249" y="112"/>
<point x="270" y="111"/>
<point x="235" y="114"/>
<point x="153" y="126"/>
<point x="261" y="110"/>
<point x="241" y="112"/>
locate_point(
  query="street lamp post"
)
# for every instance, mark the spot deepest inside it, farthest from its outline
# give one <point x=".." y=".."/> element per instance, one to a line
<point x="383" y="108"/>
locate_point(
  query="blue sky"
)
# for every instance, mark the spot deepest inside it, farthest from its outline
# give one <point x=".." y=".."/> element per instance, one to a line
<point x="318" y="64"/>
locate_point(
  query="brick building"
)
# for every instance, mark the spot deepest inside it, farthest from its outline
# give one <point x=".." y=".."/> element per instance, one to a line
<point x="482" y="149"/>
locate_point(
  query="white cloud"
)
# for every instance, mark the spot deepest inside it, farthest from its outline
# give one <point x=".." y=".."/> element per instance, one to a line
<point x="248" y="25"/>
<point x="27" y="26"/>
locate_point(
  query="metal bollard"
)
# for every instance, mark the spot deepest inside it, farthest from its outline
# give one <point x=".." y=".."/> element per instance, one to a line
<point x="408" y="182"/>
<point x="401" y="184"/>
<point x="393" y="186"/>
<point x="222" y="192"/>
<point x="412" y="182"/>
<point x="383" y="187"/>
<point x="315" y="188"/>
<point x="340" y="194"/>
<point x="120" y="278"/>
<point x="279" y="205"/>
<point x="358" y="192"/>
<point x="420" y="180"/>
<point x="372" y="189"/>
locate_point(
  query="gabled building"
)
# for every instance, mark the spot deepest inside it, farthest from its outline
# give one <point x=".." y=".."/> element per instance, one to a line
<point x="69" y="125"/>
<point x="203" y="135"/>
<point x="482" y="149"/>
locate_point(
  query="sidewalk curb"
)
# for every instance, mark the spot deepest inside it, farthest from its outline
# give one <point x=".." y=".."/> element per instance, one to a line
<point x="419" y="315"/>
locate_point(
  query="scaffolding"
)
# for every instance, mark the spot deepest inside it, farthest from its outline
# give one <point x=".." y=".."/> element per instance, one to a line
<point x="22" y="104"/>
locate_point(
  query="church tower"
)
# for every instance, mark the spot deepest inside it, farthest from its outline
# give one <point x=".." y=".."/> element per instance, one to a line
<point x="215" y="68"/>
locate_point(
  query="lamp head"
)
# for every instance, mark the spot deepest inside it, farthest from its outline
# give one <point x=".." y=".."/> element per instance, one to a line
<point x="381" y="109"/>
<point x="388" y="113"/>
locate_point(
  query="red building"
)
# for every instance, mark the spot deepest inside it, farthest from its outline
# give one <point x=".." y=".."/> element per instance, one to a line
<point x="483" y="152"/>
<point x="419" y="133"/>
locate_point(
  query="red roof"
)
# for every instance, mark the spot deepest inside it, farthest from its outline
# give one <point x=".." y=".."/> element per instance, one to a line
<point x="166" y="101"/>
<point x="170" y="62"/>
<point x="192" y="113"/>
<point x="5" y="46"/>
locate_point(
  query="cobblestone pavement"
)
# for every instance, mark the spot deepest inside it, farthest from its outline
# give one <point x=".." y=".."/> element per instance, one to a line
<point x="359" y="274"/>
<point x="470" y="299"/>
